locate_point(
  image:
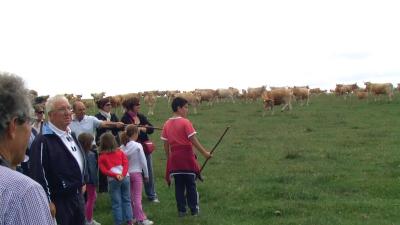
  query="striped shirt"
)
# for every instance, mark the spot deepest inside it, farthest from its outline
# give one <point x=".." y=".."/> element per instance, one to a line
<point x="22" y="200"/>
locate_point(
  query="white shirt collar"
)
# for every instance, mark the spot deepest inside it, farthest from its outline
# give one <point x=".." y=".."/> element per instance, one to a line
<point x="59" y="132"/>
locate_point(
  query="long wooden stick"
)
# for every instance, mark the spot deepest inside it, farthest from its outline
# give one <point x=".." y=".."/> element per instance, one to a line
<point x="155" y="128"/>
<point x="215" y="146"/>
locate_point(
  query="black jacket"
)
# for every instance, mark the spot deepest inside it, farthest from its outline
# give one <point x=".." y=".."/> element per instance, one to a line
<point x="143" y="136"/>
<point x="54" y="167"/>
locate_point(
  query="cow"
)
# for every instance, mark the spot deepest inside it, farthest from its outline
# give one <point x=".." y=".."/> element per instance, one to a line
<point x="301" y="94"/>
<point x="361" y="93"/>
<point x="193" y="100"/>
<point x="254" y="93"/>
<point x="277" y="97"/>
<point x="223" y="93"/>
<point x="379" y="89"/>
<point x="206" y="95"/>
<point x="150" y="99"/>
<point x="345" y="89"/>
<point x="98" y="96"/>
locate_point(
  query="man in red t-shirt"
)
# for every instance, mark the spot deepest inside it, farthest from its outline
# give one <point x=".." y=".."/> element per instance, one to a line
<point x="179" y="136"/>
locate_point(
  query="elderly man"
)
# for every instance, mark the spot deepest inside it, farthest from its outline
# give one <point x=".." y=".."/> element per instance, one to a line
<point x="22" y="200"/>
<point x="82" y="123"/>
<point x="58" y="163"/>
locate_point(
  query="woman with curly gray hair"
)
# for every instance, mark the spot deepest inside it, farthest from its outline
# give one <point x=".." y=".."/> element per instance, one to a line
<point x="24" y="200"/>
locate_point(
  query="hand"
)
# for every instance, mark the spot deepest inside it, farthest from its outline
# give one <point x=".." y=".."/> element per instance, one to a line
<point x="143" y="129"/>
<point x="120" y="177"/>
<point x="52" y="209"/>
<point x="120" y="124"/>
<point x="84" y="188"/>
<point x="207" y="155"/>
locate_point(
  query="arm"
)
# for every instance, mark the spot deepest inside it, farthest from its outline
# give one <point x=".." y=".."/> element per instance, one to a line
<point x="125" y="164"/>
<point x="199" y="147"/>
<point x="147" y="125"/>
<point x="110" y="124"/>
<point x="143" y="162"/>
<point x="104" y="169"/>
<point x="166" y="148"/>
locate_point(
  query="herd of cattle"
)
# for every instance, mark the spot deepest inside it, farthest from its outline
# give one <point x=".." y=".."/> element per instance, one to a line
<point x="284" y="96"/>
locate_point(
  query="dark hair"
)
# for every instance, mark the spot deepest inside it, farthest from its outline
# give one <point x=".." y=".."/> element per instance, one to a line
<point x="178" y="102"/>
<point x="102" y="102"/>
<point x="86" y="140"/>
<point x="130" y="102"/>
<point x="129" y="131"/>
<point x="107" y="142"/>
<point x="14" y="101"/>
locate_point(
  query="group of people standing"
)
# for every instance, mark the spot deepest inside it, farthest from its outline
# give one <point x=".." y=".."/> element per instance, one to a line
<point x="65" y="153"/>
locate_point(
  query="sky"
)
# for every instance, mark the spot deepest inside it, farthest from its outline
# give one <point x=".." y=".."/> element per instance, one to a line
<point x="119" y="47"/>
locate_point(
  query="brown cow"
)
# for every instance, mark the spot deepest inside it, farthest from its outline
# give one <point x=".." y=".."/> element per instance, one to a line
<point x="277" y="97"/>
<point x="345" y="89"/>
<point x="207" y="95"/>
<point x="254" y="93"/>
<point x="193" y="100"/>
<point x="380" y="89"/>
<point x="301" y="94"/>
<point x="150" y="100"/>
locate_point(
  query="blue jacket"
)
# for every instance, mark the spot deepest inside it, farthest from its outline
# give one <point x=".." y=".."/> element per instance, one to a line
<point x="54" y="167"/>
<point x="93" y="167"/>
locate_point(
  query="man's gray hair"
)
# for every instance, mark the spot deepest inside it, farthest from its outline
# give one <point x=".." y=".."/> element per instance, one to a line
<point x="14" y="101"/>
<point x="50" y="102"/>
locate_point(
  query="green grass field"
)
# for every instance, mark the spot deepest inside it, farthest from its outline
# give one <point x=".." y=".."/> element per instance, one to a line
<point x="333" y="162"/>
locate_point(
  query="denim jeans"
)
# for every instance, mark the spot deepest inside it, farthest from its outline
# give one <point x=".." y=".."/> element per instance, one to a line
<point x="120" y="200"/>
<point x="149" y="187"/>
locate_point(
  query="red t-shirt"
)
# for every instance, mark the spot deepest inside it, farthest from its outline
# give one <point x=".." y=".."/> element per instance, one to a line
<point x="177" y="131"/>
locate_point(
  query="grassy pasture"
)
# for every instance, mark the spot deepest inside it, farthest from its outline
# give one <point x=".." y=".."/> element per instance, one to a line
<point x="333" y="162"/>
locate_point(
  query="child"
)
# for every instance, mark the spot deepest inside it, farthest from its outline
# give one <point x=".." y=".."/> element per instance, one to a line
<point x="114" y="163"/>
<point x="137" y="164"/>
<point x="86" y="140"/>
<point x="179" y="136"/>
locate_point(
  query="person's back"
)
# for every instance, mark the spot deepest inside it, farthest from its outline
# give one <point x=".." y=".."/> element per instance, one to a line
<point x="19" y="191"/>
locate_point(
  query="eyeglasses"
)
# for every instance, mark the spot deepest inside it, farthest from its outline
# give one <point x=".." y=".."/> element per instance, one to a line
<point x="64" y="110"/>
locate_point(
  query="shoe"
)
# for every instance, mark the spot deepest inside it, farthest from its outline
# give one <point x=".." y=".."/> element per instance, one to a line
<point x="181" y="214"/>
<point x="145" y="222"/>
<point x="155" y="200"/>
<point x="195" y="213"/>
<point x="93" y="222"/>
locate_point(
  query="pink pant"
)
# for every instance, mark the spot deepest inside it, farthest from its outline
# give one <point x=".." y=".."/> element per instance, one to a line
<point x="136" y="196"/>
<point x="91" y="199"/>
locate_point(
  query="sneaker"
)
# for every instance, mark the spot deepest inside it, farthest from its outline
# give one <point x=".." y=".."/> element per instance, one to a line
<point x="145" y="222"/>
<point x="155" y="200"/>
<point x="93" y="222"/>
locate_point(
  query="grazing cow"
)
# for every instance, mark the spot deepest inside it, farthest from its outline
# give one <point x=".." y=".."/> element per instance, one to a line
<point x="398" y="87"/>
<point x="223" y="93"/>
<point x="277" y="97"/>
<point x="301" y="94"/>
<point x="171" y="94"/>
<point x="193" y="100"/>
<point x="380" y="89"/>
<point x="150" y="99"/>
<point x="254" y="93"/>
<point x="98" y="96"/>
<point x="345" y="89"/>
<point x="207" y="95"/>
<point x="317" y="91"/>
<point x="361" y="93"/>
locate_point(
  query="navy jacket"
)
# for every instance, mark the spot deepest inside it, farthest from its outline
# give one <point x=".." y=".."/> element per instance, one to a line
<point x="54" y="167"/>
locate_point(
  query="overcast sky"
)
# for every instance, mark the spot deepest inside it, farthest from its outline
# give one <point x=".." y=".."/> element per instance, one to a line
<point x="118" y="47"/>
